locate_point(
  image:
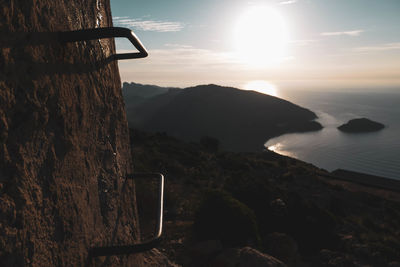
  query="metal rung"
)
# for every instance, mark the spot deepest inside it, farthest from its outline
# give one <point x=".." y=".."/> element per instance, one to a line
<point x="146" y="245"/>
<point x="109" y="32"/>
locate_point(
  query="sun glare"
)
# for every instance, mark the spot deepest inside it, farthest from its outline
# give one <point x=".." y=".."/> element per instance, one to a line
<point x="262" y="87"/>
<point x="261" y="37"/>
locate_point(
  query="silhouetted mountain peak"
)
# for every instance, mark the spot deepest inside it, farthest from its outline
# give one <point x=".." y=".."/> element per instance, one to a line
<point x="242" y="120"/>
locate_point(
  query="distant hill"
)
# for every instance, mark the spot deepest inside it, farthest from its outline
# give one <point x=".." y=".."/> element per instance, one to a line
<point x="135" y="93"/>
<point x="241" y="120"/>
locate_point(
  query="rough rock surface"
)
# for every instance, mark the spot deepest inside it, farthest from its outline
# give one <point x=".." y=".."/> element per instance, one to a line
<point x="154" y="258"/>
<point x="64" y="140"/>
<point x="283" y="247"/>
<point x="242" y="257"/>
<point x="212" y="253"/>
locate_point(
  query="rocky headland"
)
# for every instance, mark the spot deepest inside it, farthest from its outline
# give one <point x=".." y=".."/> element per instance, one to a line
<point x="241" y="120"/>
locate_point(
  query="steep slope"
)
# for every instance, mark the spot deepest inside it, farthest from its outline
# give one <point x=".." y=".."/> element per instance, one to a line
<point x="64" y="141"/>
<point x="141" y="110"/>
<point x="241" y="120"/>
<point x="305" y="216"/>
<point x="132" y="90"/>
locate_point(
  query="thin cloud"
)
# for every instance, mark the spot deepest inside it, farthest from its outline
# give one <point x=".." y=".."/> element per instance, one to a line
<point x="348" y="33"/>
<point x="186" y="57"/>
<point x="178" y="46"/>
<point x="288" y="2"/>
<point x="383" y="47"/>
<point x="190" y="66"/>
<point x="149" y="25"/>
<point x="304" y="42"/>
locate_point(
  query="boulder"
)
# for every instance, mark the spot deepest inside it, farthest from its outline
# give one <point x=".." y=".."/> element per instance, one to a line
<point x="283" y="247"/>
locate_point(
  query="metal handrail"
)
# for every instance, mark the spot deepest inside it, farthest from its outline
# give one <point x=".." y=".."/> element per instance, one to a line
<point x="148" y="244"/>
<point x="108" y="32"/>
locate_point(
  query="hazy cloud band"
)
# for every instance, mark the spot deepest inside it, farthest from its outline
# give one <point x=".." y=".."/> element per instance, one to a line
<point x="348" y="33"/>
<point x="149" y="25"/>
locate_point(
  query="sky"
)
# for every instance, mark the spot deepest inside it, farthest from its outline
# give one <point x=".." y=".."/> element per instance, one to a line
<point x="294" y="44"/>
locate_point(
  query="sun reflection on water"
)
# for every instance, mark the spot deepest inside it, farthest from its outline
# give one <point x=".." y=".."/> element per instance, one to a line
<point x="274" y="147"/>
<point x="263" y="87"/>
<point x="279" y="148"/>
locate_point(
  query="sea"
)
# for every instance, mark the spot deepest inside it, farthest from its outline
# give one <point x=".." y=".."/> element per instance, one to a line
<point x="376" y="153"/>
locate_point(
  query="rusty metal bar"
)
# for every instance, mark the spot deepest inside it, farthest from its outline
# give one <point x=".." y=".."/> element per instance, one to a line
<point x="148" y="244"/>
<point x="108" y="32"/>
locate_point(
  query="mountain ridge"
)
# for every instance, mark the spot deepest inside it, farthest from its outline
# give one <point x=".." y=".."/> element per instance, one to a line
<point x="242" y="120"/>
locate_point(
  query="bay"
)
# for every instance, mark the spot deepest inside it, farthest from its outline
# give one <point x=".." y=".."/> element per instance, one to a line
<point x="376" y="153"/>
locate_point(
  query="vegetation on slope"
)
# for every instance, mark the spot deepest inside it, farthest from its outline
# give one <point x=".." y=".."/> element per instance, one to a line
<point x="300" y="217"/>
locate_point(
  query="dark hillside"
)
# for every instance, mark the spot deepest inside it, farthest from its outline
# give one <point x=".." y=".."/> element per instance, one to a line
<point x="136" y="93"/>
<point x="241" y="120"/>
<point x="140" y="113"/>
<point x="279" y="205"/>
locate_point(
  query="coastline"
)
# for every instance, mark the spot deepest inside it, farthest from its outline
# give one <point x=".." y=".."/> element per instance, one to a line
<point x="366" y="179"/>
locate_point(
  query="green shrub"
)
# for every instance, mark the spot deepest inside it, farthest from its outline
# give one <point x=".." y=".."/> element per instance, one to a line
<point x="222" y="217"/>
<point x="313" y="227"/>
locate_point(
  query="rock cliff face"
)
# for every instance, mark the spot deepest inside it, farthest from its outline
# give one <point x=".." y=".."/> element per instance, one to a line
<point x="64" y="140"/>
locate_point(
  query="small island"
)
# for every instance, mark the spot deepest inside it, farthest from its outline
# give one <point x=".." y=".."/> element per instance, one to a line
<point x="361" y="125"/>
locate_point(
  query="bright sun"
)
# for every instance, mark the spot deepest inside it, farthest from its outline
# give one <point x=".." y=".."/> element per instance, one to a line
<point x="262" y="87"/>
<point x="261" y="37"/>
